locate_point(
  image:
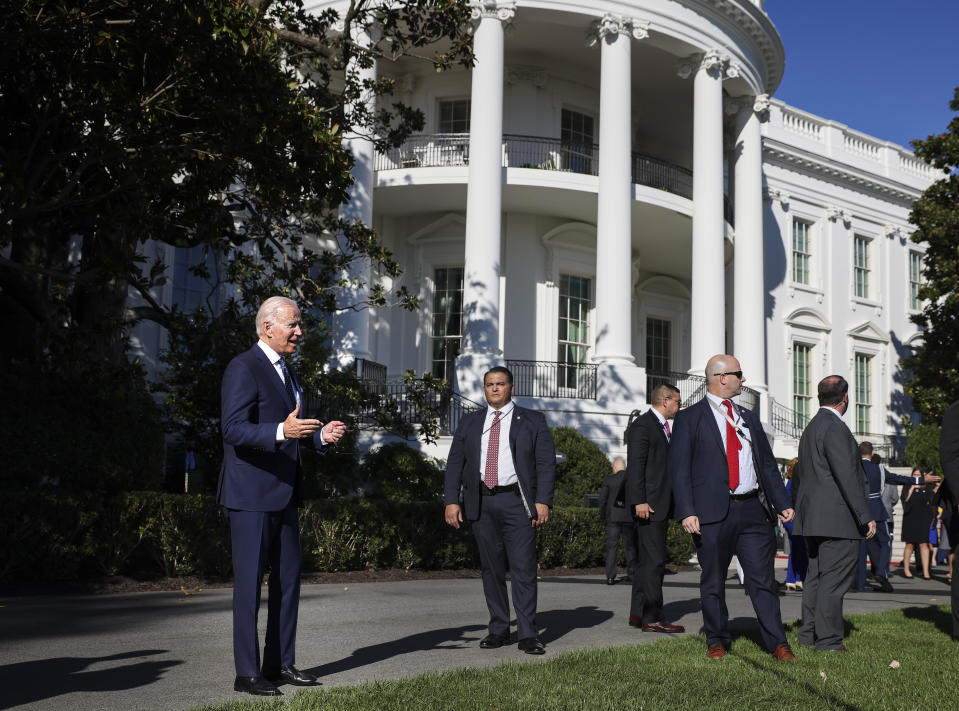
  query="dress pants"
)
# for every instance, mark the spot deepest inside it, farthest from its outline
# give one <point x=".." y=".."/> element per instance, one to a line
<point x="879" y="550"/>
<point x="832" y="565"/>
<point x="258" y="537"/>
<point x="504" y="534"/>
<point x="614" y="531"/>
<point x="647" y="594"/>
<point x="747" y="533"/>
<point x="955" y="594"/>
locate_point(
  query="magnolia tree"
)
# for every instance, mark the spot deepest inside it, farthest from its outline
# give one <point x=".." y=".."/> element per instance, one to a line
<point x="215" y="124"/>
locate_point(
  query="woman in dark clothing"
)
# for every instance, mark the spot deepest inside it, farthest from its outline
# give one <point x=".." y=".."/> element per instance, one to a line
<point x="918" y="513"/>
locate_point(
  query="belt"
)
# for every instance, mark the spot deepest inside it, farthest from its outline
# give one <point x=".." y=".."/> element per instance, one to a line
<point x="510" y="488"/>
<point x="743" y="497"/>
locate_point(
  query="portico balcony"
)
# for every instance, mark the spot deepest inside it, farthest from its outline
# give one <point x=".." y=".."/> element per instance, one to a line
<point x="452" y="149"/>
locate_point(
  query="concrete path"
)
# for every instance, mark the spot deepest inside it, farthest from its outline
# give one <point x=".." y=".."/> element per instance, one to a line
<point x="170" y="651"/>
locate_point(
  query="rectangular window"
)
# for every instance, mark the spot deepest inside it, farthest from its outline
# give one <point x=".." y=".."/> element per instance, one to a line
<point x="915" y="279"/>
<point x="454" y="116"/>
<point x="447" y="320"/>
<point x="861" y="266"/>
<point x="577" y="138"/>
<point x="195" y="279"/>
<point x="575" y="302"/>
<point x="801" y="253"/>
<point x="658" y="345"/>
<point x="863" y="393"/>
<point x="802" y="395"/>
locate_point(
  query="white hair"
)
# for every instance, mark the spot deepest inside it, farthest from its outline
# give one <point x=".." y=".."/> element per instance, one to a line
<point x="268" y="309"/>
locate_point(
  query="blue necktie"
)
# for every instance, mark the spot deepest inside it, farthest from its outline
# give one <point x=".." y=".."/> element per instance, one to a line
<point x="288" y="381"/>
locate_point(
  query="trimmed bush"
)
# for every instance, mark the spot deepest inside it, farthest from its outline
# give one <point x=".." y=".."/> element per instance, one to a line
<point x="584" y="469"/>
<point x="398" y="472"/>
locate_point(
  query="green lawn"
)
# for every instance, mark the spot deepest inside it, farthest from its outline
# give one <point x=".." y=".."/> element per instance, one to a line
<point x="674" y="673"/>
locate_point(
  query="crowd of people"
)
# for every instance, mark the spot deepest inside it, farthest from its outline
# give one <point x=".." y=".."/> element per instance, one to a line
<point x="708" y="466"/>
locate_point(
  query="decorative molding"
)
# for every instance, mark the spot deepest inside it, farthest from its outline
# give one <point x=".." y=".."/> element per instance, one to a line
<point x="717" y="63"/>
<point x="761" y="104"/>
<point x="777" y="195"/>
<point x="537" y="76"/>
<point x="834" y="214"/>
<point x="502" y="10"/>
<point x="616" y="25"/>
<point x="895" y="232"/>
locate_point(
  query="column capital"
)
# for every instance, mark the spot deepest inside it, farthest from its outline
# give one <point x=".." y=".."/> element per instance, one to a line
<point x="835" y="214"/>
<point x="717" y="63"/>
<point x="748" y="103"/>
<point x="894" y="232"/>
<point x="502" y="10"/>
<point x="777" y="195"/>
<point x="616" y="25"/>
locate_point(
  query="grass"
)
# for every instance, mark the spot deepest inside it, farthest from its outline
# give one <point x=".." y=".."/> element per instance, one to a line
<point x="675" y="674"/>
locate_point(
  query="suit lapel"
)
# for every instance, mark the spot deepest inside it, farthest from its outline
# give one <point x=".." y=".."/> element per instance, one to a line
<point x="269" y="372"/>
<point x="514" y="426"/>
<point x="706" y="413"/>
<point x="656" y="424"/>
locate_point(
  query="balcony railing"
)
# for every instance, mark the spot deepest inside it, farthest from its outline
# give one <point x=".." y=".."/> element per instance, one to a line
<point x="785" y="420"/>
<point x="543" y="378"/>
<point x="452" y="149"/>
<point x="692" y="388"/>
<point x="412" y="405"/>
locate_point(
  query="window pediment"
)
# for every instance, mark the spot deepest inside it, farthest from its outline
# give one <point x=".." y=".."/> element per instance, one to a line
<point x="808" y="319"/>
<point x="449" y="228"/>
<point x="867" y="332"/>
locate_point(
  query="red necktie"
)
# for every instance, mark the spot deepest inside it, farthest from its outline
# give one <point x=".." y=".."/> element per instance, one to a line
<point x="733" y="445"/>
<point x="491" y="475"/>
<point x="668" y="433"/>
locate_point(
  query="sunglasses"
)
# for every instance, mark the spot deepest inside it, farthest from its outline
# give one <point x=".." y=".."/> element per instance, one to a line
<point x="737" y="373"/>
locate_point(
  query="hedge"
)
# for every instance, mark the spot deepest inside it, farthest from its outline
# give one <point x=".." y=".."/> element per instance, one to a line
<point x="53" y="537"/>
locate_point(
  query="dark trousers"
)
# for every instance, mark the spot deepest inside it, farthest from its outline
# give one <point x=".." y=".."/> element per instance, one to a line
<point x="832" y="565"/>
<point x="747" y="533"/>
<point x="505" y="535"/>
<point x="879" y="550"/>
<point x="955" y="595"/>
<point x="259" y="537"/>
<point x="614" y="531"/>
<point x="647" y="594"/>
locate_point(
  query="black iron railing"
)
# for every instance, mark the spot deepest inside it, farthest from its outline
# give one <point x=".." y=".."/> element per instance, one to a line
<point x="692" y="388"/>
<point x="414" y="403"/>
<point x="785" y="420"/>
<point x="892" y="448"/>
<point x="373" y="373"/>
<point x="452" y="149"/>
<point x="545" y="378"/>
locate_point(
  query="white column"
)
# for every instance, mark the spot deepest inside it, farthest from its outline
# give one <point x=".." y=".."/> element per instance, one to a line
<point x="708" y="288"/>
<point x="614" y="205"/>
<point x="353" y="326"/>
<point x="484" y="200"/>
<point x="749" y="289"/>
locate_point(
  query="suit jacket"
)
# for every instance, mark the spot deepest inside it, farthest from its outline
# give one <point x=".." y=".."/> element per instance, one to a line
<point x="948" y="493"/>
<point x="609" y="492"/>
<point x="648" y="478"/>
<point x="830" y="486"/>
<point x="258" y="473"/>
<point x="697" y="461"/>
<point x="534" y="458"/>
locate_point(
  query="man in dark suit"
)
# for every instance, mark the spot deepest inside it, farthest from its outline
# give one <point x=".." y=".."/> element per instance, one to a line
<point x="879" y="547"/>
<point x="727" y="491"/>
<point x="649" y="497"/>
<point x="502" y="466"/>
<point x="832" y="513"/>
<point x="618" y="521"/>
<point x="949" y="492"/>
<point x="261" y="487"/>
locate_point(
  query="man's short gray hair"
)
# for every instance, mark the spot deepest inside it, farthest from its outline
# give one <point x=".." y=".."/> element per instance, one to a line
<point x="268" y="309"/>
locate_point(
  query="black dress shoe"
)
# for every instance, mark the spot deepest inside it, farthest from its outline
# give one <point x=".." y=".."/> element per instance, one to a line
<point x="256" y="685"/>
<point x="493" y="641"/>
<point x="884" y="585"/>
<point x="610" y="581"/>
<point x="290" y="675"/>
<point x="531" y="645"/>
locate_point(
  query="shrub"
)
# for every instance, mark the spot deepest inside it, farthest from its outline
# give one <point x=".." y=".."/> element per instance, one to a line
<point x="398" y="472"/>
<point x="583" y="471"/>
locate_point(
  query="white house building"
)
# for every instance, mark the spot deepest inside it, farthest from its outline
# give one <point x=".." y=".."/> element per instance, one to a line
<point x="611" y="196"/>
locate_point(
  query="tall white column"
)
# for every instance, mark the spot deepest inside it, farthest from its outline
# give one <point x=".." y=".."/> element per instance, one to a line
<point x="749" y="289"/>
<point x="614" y="205"/>
<point x="708" y="288"/>
<point x="352" y="334"/>
<point x="484" y="200"/>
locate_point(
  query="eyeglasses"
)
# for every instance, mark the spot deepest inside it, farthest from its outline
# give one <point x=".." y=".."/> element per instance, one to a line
<point x="678" y="401"/>
<point x="737" y="373"/>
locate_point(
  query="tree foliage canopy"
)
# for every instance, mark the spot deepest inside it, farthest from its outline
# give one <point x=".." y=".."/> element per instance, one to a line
<point x="130" y="125"/>
<point x="932" y="375"/>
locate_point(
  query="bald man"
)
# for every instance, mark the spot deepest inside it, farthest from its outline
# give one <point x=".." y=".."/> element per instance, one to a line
<point x="618" y="521"/>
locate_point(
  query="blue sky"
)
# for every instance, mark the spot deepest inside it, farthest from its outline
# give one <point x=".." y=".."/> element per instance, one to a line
<point x="883" y="67"/>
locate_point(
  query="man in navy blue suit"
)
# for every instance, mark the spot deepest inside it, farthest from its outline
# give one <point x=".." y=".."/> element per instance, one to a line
<point x="261" y="486"/>
<point x="727" y="493"/>
<point x="502" y="466"/>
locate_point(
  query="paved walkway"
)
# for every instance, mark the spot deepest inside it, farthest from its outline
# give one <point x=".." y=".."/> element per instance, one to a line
<point x="171" y="651"/>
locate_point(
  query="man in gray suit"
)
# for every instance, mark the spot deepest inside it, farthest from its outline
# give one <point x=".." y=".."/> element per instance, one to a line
<point x="832" y="512"/>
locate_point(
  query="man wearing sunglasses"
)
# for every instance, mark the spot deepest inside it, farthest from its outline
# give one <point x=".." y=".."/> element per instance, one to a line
<point x="727" y="493"/>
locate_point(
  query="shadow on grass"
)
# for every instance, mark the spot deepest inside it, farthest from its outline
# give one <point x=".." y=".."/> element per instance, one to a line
<point x="448" y="638"/>
<point x="779" y="670"/>
<point x="932" y="614"/>
<point x="29" y="682"/>
<point x="556" y="623"/>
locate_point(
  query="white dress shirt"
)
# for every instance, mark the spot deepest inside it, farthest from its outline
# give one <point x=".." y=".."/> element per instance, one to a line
<point x="747" y="474"/>
<point x="662" y="421"/>
<point x="275" y="360"/>
<point x="505" y="469"/>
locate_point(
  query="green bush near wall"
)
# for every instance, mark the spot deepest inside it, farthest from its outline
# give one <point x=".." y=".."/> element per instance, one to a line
<point x="53" y="537"/>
